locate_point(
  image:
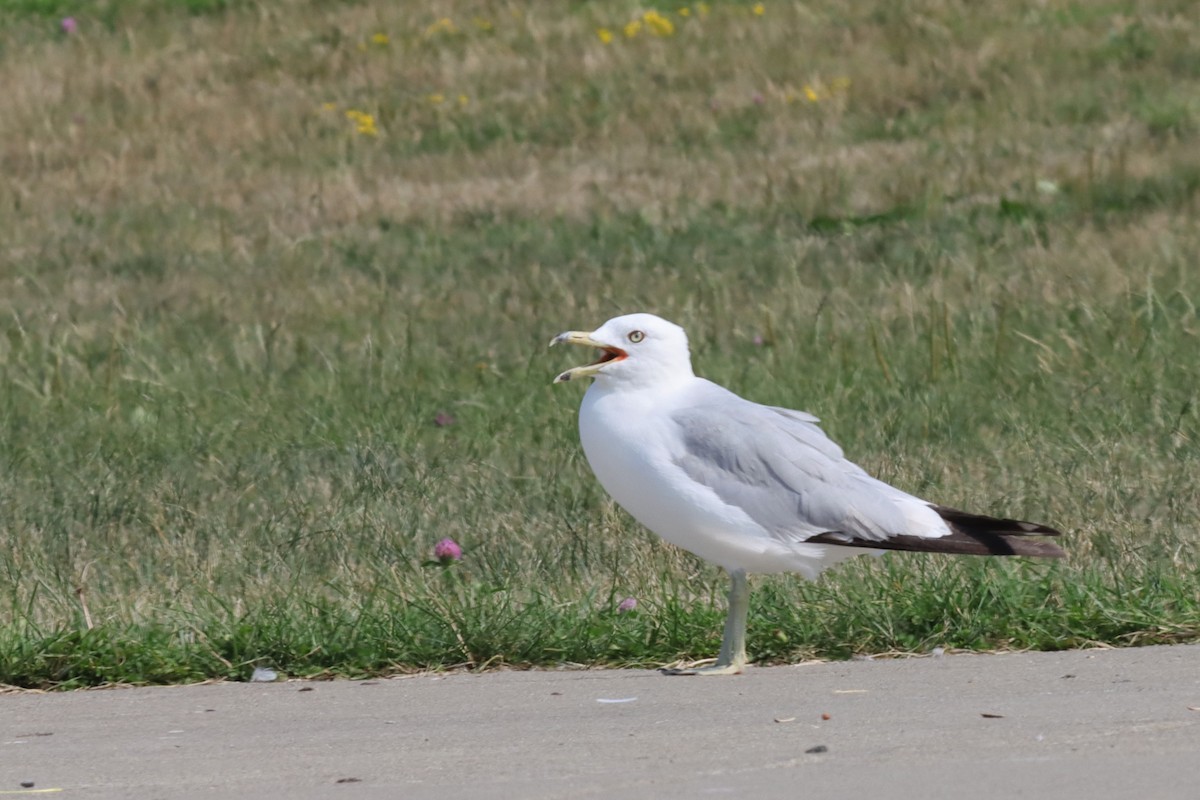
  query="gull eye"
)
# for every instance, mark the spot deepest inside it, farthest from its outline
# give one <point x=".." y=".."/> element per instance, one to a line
<point x="636" y="336"/>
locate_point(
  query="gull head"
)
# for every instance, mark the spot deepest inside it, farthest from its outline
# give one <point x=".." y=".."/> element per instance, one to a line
<point x="635" y="349"/>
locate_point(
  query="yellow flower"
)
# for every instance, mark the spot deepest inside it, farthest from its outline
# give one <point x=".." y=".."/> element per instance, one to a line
<point x="443" y="25"/>
<point x="841" y="84"/>
<point x="702" y="9"/>
<point x="811" y="93"/>
<point x="329" y="106"/>
<point x="633" y="28"/>
<point x="380" y="38"/>
<point x="685" y="12"/>
<point x="604" y="35"/>
<point x="658" y="24"/>
<point x="759" y="9"/>
<point x="483" y="24"/>
<point x="363" y="123"/>
<point x="463" y="100"/>
<point x="437" y="98"/>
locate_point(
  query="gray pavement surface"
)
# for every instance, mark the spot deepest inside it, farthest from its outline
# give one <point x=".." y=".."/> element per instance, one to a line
<point x="1084" y="724"/>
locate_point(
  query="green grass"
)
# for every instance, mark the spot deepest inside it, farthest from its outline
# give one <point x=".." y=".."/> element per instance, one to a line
<point x="229" y="323"/>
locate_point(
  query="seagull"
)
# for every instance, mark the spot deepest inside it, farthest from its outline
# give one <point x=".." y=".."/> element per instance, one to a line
<point x="748" y="487"/>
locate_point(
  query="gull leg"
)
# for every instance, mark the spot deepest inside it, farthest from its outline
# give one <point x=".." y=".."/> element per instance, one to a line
<point x="732" y="658"/>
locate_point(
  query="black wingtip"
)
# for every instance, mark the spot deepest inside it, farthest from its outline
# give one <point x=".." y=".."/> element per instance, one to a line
<point x="1016" y="527"/>
<point x="957" y="543"/>
<point x="970" y="535"/>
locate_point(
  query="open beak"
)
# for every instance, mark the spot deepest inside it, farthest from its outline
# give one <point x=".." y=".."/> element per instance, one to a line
<point x="608" y="354"/>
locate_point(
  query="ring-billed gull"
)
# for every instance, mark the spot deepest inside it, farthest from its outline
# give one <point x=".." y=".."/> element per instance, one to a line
<point x="751" y="488"/>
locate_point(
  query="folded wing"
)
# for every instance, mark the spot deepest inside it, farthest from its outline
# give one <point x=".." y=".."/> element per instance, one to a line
<point x="780" y="468"/>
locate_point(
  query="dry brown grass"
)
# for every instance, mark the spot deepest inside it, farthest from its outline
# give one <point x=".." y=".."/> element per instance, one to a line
<point x="220" y="117"/>
<point x="207" y="136"/>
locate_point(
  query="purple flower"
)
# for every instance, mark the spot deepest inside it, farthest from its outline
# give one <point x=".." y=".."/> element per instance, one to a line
<point x="759" y="341"/>
<point x="627" y="605"/>
<point x="447" y="550"/>
<point x="758" y="99"/>
<point x="68" y="25"/>
<point x="443" y="419"/>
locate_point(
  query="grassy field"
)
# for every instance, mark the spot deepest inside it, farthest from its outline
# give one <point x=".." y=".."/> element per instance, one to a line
<point x="276" y="282"/>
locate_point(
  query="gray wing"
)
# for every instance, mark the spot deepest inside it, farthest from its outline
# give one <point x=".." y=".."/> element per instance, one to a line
<point x="787" y="475"/>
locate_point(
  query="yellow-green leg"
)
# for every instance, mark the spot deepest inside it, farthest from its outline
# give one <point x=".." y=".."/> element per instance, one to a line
<point x="732" y="658"/>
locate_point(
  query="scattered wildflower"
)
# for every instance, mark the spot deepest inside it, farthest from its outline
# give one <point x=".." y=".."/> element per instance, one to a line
<point x="483" y="24"/>
<point x="447" y="550"/>
<point x="443" y="25"/>
<point x="702" y="9"/>
<point x="380" y="39"/>
<point x="757" y="99"/>
<point x="759" y="9"/>
<point x="329" y="106"/>
<point x="759" y="341"/>
<point x="437" y="98"/>
<point x="364" y="123"/>
<point x="68" y="25"/>
<point x="443" y="419"/>
<point x="685" y="12"/>
<point x="627" y="605"/>
<point x="633" y="28"/>
<point x="463" y="101"/>
<point x="817" y="91"/>
<point x="604" y="35"/>
<point x="658" y="24"/>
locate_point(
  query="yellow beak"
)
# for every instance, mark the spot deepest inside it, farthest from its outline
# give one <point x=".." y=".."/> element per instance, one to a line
<point x="584" y="339"/>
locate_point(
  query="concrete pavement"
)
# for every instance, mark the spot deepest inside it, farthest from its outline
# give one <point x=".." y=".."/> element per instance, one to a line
<point x="1095" y="724"/>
